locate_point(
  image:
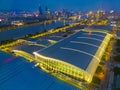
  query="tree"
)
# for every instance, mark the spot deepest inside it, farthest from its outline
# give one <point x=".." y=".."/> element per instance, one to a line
<point x="116" y="70"/>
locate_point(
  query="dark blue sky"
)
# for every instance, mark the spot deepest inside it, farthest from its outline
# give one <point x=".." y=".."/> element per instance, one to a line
<point x="81" y="5"/>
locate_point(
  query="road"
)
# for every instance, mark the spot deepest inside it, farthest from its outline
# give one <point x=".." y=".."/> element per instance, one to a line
<point x="109" y="65"/>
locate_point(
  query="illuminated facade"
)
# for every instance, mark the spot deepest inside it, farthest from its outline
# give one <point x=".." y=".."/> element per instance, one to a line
<point x="76" y="56"/>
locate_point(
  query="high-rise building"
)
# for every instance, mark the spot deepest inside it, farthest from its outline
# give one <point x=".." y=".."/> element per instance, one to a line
<point x="40" y="10"/>
<point x="46" y="9"/>
<point x="99" y="15"/>
<point x="47" y="13"/>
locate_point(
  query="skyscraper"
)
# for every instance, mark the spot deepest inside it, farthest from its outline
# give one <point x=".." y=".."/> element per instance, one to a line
<point x="40" y="10"/>
<point x="99" y="14"/>
<point x="47" y="13"/>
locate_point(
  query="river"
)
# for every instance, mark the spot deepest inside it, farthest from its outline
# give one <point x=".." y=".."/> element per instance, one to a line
<point x="19" y="32"/>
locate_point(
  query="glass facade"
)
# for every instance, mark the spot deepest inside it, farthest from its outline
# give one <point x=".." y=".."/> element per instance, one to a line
<point x="56" y="66"/>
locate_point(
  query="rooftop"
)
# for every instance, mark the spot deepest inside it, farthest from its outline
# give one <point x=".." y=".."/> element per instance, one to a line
<point x="101" y="27"/>
<point x="18" y="74"/>
<point x="77" y="49"/>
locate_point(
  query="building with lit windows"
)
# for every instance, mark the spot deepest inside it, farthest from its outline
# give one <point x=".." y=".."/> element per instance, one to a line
<point x="76" y="56"/>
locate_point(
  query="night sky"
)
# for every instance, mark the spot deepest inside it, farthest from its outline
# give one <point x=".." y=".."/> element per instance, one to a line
<point x="81" y="5"/>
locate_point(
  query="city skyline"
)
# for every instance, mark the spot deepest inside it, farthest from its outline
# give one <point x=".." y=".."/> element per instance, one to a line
<point x="79" y="5"/>
<point x="61" y="44"/>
